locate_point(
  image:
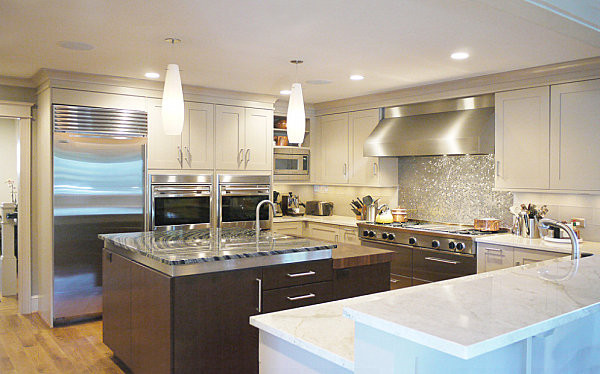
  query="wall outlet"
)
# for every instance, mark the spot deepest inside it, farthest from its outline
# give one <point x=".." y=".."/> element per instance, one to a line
<point x="580" y="222"/>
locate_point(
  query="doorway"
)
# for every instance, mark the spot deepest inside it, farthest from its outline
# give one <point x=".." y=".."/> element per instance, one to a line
<point x="9" y="183"/>
<point x="15" y="136"/>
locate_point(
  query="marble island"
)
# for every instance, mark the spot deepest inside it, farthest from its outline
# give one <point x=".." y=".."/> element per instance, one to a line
<point x="507" y="321"/>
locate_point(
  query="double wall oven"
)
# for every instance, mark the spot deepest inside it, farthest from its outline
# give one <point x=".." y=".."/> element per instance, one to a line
<point x="180" y="202"/>
<point x="198" y="201"/>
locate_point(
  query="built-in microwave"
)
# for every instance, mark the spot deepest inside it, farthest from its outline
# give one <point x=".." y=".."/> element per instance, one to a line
<point x="238" y="197"/>
<point x="180" y="202"/>
<point x="290" y="163"/>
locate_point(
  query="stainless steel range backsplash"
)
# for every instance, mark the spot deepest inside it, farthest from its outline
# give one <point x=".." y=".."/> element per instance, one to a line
<point x="454" y="189"/>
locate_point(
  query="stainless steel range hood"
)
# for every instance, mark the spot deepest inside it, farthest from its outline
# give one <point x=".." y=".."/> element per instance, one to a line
<point x="445" y="127"/>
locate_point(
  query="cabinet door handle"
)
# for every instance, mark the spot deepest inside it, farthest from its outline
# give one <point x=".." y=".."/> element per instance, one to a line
<point x="344" y="169"/>
<point x="180" y="156"/>
<point x="259" y="308"/>
<point x="305" y="274"/>
<point x="240" y="155"/>
<point x="188" y="157"/>
<point x="442" y="260"/>
<point x="375" y="169"/>
<point x="497" y="168"/>
<point x="307" y="296"/>
<point x="247" y="156"/>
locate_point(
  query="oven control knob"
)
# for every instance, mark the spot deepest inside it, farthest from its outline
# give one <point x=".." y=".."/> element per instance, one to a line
<point x="384" y="235"/>
<point x="435" y="244"/>
<point x="391" y="236"/>
<point x="460" y="246"/>
<point x="371" y="234"/>
<point x="451" y="245"/>
<point x="366" y="233"/>
<point x="412" y="241"/>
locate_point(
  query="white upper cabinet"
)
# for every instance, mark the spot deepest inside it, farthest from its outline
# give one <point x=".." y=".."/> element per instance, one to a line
<point x="341" y="151"/>
<point x="364" y="169"/>
<point x="522" y="139"/>
<point x="164" y="151"/>
<point x="334" y="148"/>
<point x="244" y="138"/>
<point x="229" y="137"/>
<point x="575" y="136"/>
<point x="193" y="149"/>
<point x="198" y="136"/>
<point x="258" y="139"/>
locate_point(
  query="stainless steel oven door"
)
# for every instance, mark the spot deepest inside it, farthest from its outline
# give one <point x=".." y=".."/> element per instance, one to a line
<point x="180" y="206"/>
<point x="237" y="205"/>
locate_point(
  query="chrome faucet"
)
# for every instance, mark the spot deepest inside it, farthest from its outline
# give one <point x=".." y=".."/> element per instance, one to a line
<point x="546" y="223"/>
<point x="258" y="215"/>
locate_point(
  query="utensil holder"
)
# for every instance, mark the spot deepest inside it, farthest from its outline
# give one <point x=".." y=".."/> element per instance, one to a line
<point x="530" y="229"/>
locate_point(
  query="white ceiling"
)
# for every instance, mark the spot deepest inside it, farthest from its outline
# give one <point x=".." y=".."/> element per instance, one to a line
<point x="245" y="45"/>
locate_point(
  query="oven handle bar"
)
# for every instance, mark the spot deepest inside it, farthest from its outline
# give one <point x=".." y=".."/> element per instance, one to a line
<point x="187" y="194"/>
<point x="442" y="260"/>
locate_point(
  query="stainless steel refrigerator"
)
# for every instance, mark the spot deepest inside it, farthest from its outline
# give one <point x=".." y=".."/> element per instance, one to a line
<point x="99" y="178"/>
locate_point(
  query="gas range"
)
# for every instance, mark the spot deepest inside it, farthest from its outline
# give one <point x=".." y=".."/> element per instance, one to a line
<point x="437" y="236"/>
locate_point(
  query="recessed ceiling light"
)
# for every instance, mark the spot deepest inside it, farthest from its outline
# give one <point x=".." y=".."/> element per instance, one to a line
<point x="318" y="81"/>
<point x="76" y="46"/>
<point x="152" y="75"/>
<point x="285" y="92"/>
<point x="459" y="55"/>
<point x="357" y="77"/>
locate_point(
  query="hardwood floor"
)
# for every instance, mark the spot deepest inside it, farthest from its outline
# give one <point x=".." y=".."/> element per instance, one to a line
<point x="27" y="345"/>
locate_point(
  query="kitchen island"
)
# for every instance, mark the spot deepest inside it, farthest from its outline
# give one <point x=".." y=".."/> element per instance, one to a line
<point x="506" y="321"/>
<point x="179" y="301"/>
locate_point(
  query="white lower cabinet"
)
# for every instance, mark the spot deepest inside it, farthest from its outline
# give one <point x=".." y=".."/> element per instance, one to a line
<point x="320" y="231"/>
<point x="323" y="231"/>
<point x="492" y="257"/>
<point x="524" y="256"/>
<point x="288" y="228"/>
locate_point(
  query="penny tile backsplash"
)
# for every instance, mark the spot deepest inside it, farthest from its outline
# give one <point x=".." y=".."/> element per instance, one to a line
<point x="453" y="189"/>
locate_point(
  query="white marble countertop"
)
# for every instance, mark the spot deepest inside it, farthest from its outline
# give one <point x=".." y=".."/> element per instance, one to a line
<point x="539" y="244"/>
<point x="470" y="316"/>
<point x="332" y="220"/>
<point x="320" y="329"/>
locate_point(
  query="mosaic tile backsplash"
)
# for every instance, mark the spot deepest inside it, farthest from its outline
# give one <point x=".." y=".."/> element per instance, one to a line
<point x="452" y="189"/>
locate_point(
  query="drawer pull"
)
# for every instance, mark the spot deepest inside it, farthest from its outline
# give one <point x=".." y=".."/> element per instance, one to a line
<point x="296" y="275"/>
<point x="394" y="280"/>
<point x="442" y="260"/>
<point x="307" y="296"/>
<point x="497" y="250"/>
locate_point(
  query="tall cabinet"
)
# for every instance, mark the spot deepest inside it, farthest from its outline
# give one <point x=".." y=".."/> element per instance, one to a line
<point x="341" y="147"/>
<point x="244" y="137"/>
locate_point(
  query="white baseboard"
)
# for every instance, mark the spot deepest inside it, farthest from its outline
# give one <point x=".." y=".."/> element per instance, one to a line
<point x="34" y="303"/>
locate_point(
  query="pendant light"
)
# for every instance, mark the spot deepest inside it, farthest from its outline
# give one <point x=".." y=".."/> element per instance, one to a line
<point x="296" y="118"/>
<point x="172" y="100"/>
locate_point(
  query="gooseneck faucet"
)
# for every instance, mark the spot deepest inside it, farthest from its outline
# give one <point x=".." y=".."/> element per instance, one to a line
<point x="546" y="223"/>
<point x="258" y="215"/>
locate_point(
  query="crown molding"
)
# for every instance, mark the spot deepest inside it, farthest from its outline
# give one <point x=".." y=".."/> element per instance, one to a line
<point x="140" y="87"/>
<point x="564" y="72"/>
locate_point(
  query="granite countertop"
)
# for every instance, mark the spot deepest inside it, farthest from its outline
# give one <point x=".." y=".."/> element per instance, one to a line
<point x="181" y="247"/>
<point x="538" y="244"/>
<point x="464" y="317"/>
<point x="332" y="220"/>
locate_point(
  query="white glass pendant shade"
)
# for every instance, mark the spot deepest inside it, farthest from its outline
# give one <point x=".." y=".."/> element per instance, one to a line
<point x="172" y="102"/>
<point x="296" y="119"/>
